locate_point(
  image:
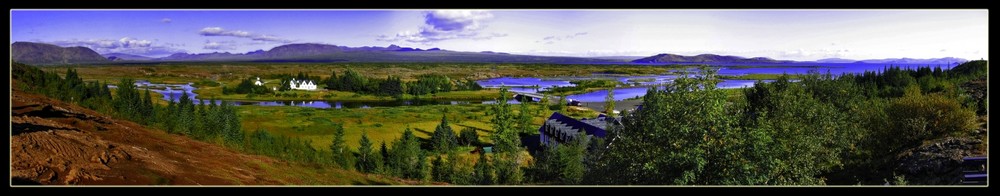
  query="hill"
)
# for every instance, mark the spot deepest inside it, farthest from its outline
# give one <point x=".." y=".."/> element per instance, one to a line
<point x="946" y="60"/>
<point x="705" y="58"/>
<point x="46" y="54"/>
<point x="393" y="53"/>
<point x="53" y="142"/>
<point x="126" y="57"/>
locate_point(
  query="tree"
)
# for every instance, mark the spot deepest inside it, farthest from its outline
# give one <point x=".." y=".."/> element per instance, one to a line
<point x="651" y="151"/>
<point x="570" y="160"/>
<point x="443" y="139"/>
<point x="405" y="155"/>
<point x="440" y="172"/>
<point x="542" y="109"/>
<point x="458" y="175"/>
<point x="369" y="161"/>
<point x="504" y="135"/>
<point x="524" y="118"/>
<point x="560" y="105"/>
<point x="507" y="143"/>
<point x="483" y="173"/>
<point x="338" y="148"/>
<point x="331" y="82"/>
<point x="469" y="136"/>
<point x="609" y="103"/>
<point x="385" y="157"/>
<point x="421" y="167"/>
<point x="184" y="118"/>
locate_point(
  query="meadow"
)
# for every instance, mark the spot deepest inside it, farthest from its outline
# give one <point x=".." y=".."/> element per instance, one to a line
<point x="381" y="123"/>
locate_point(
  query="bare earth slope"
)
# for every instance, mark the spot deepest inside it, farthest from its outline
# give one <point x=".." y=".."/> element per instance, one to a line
<point x="53" y="142"/>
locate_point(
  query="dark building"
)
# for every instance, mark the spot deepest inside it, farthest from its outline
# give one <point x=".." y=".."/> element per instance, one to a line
<point x="560" y="128"/>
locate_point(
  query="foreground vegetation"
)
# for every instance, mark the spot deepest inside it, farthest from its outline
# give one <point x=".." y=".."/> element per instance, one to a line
<point x="821" y="130"/>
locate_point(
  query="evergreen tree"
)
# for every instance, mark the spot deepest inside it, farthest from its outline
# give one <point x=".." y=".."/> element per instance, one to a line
<point x="341" y="155"/>
<point x="571" y="168"/>
<point x="609" y="103"/>
<point x="483" y="174"/>
<point x="444" y="138"/>
<point x="421" y="167"/>
<point x="439" y="172"/>
<point x="404" y="156"/>
<point x="385" y="157"/>
<point x="469" y="136"/>
<point x="504" y="133"/>
<point x="524" y="118"/>
<point x="369" y="161"/>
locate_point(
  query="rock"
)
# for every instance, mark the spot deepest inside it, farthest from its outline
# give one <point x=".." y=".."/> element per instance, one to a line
<point x="936" y="163"/>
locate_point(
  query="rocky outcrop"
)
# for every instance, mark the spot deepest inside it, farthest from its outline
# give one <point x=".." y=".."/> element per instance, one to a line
<point x="938" y="162"/>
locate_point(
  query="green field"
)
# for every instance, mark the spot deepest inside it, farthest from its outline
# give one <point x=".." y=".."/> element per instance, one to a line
<point x="381" y="123"/>
<point x="231" y="73"/>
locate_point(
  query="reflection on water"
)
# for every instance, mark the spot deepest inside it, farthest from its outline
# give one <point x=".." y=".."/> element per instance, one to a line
<point x="173" y="92"/>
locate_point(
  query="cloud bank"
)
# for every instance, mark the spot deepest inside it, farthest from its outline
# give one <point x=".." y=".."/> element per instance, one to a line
<point x="445" y="25"/>
<point x="219" y="31"/>
<point x="125" y="45"/>
<point x="554" y="39"/>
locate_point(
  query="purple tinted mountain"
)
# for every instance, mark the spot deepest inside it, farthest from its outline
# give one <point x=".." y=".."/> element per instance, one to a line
<point x="836" y="60"/>
<point x="47" y="54"/>
<point x="126" y="57"/>
<point x="393" y="53"/>
<point x="946" y="60"/>
<point x="705" y="58"/>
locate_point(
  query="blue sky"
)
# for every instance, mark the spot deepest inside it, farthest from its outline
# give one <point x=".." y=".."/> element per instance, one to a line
<point x="780" y="34"/>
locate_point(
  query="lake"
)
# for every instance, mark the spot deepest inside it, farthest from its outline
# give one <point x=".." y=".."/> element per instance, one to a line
<point x="533" y="85"/>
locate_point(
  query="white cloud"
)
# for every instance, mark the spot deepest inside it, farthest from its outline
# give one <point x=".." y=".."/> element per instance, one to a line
<point x="219" y="31"/>
<point x="126" y="45"/>
<point x="553" y="39"/>
<point x="447" y="24"/>
<point x="219" y="45"/>
<point x="166" y="20"/>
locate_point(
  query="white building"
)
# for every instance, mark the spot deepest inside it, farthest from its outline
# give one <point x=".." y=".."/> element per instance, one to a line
<point x="258" y="82"/>
<point x="302" y="85"/>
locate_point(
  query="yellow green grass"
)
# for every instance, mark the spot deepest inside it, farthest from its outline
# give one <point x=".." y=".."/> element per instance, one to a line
<point x="381" y="123"/>
<point x="330" y="95"/>
<point x="231" y="73"/>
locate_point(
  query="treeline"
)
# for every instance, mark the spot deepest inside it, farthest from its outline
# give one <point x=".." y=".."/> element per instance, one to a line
<point x="71" y="89"/>
<point x="582" y="85"/>
<point x="247" y="86"/>
<point x="352" y="81"/>
<point x="822" y="130"/>
<point x="202" y="121"/>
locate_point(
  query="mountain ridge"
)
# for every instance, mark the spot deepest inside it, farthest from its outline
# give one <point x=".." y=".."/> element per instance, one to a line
<point x="41" y="53"/>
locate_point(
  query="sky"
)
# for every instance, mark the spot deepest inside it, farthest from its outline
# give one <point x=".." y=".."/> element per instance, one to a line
<point x="779" y="34"/>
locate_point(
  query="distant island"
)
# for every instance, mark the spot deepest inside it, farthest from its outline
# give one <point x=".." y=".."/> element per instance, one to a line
<point x="705" y="58"/>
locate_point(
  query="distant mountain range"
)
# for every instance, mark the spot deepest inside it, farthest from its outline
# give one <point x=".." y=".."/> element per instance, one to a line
<point x="126" y="57"/>
<point x="38" y="53"/>
<point x="393" y="53"/>
<point x="945" y="60"/>
<point x="42" y="54"/>
<point x="705" y="58"/>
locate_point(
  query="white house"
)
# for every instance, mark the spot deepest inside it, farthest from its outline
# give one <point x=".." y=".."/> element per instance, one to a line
<point x="258" y="82"/>
<point x="302" y="85"/>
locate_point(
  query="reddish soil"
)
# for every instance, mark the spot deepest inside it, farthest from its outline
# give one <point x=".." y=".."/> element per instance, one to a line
<point x="53" y="142"/>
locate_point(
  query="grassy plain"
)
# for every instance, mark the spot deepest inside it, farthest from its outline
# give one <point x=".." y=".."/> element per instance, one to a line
<point x="381" y="123"/>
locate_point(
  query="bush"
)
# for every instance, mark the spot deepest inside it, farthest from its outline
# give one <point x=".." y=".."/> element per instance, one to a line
<point x="916" y="117"/>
